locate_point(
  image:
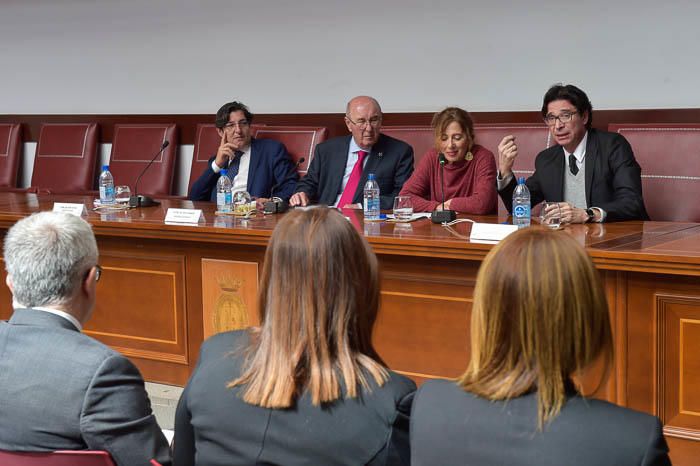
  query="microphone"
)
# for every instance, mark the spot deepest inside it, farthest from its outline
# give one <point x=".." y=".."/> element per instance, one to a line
<point x="277" y="205"/>
<point x="144" y="201"/>
<point x="442" y="216"/>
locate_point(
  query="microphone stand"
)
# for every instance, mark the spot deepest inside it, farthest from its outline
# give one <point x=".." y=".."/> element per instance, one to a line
<point x="138" y="200"/>
<point x="442" y="216"/>
<point x="280" y="205"/>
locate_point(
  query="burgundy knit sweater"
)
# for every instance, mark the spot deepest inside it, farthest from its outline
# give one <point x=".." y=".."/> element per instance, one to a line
<point x="470" y="184"/>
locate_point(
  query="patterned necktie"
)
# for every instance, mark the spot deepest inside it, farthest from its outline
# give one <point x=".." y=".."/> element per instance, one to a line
<point x="235" y="164"/>
<point x="573" y="168"/>
<point x="353" y="181"/>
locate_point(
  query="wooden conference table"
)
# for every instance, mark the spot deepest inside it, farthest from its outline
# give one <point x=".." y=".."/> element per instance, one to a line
<point x="166" y="287"/>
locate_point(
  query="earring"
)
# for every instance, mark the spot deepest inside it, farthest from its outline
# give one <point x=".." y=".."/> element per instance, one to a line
<point x="469" y="156"/>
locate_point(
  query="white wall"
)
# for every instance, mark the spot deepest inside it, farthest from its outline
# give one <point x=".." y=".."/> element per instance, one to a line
<point x="163" y="56"/>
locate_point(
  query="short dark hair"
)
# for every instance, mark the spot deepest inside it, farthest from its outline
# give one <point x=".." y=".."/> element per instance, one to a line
<point x="573" y="95"/>
<point x="227" y="108"/>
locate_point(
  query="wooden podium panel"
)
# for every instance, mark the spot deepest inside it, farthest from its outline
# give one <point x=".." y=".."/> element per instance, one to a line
<point x="158" y="297"/>
<point x="229" y="295"/>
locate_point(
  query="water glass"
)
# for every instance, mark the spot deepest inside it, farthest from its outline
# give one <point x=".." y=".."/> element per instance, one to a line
<point x="550" y="215"/>
<point x="122" y="194"/>
<point x="403" y="208"/>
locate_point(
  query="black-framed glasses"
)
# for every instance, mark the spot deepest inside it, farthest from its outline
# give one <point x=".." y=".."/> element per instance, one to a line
<point x="563" y="117"/>
<point x="237" y="124"/>
<point x="362" y="123"/>
<point x="98" y="272"/>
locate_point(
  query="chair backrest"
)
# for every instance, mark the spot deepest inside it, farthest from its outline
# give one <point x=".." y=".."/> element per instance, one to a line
<point x="206" y="143"/>
<point x="133" y="148"/>
<point x="10" y="149"/>
<point x="300" y="141"/>
<point x="56" y="458"/>
<point x="419" y="137"/>
<point x="670" y="160"/>
<point x="65" y="158"/>
<point x="530" y="138"/>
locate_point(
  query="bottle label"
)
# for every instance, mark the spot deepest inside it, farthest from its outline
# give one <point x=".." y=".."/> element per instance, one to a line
<point x="106" y="194"/>
<point x="521" y="211"/>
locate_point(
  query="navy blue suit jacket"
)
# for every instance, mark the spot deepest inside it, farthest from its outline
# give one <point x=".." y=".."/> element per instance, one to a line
<point x="270" y="166"/>
<point x="390" y="160"/>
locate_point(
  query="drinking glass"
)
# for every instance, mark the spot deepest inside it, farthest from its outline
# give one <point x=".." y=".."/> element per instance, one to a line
<point x="122" y="194"/>
<point x="403" y="208"/>
<point x="550" y="215"/>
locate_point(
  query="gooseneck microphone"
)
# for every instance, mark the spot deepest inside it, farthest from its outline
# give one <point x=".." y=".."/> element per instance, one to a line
<point x="442" y="216"/>
<point x="144" y="201"/>
<point x="277" y="205"/>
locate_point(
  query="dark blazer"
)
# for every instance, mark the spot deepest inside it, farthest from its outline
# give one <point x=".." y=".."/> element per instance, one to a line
<point x="613" y="178"/>
<point x="390" y="160"/>
<point x="62" y="390"/>
<point x="270" y="166"/>
<point x="214" y="426"/>
<point x="450" y="426"/>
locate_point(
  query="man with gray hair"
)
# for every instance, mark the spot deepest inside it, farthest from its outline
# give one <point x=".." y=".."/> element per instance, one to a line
<point x="341" y="166"/>
<point x="59" y="388"/>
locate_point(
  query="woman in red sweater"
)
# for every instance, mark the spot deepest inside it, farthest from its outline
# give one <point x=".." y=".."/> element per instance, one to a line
<point x="470" y="171"/>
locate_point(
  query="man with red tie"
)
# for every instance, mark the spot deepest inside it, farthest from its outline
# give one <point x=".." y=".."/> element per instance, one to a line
<point x="339" y="168"/>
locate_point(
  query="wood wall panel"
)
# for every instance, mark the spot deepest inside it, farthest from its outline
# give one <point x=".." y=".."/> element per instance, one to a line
<point x="187" y="123"/>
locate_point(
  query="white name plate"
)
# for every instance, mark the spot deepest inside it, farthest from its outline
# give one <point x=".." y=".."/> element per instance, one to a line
<point x="490" y="232"/>
<point x="184" y="216"/>
<point x="67" y="208"/>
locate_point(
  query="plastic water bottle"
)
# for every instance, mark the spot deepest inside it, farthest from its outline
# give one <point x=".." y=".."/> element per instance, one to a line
<point x="223" y="192"/>
<point x="521" y="204"/>
<point x="371" y="198"/>
<point x="106" y="184"/>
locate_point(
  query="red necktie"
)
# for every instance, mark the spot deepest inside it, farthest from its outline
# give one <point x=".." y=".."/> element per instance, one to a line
<point x="353" y="181"/>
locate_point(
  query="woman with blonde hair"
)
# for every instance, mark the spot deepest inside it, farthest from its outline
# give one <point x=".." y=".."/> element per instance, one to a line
<point x="307" y="387"/>
<point x="539" y="318"/>
<point x="469" y="169"/>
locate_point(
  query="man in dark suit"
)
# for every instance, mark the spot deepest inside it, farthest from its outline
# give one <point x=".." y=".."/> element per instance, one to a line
<point x="254" y="165"/>
<point x="61" y="389"/>
<point x="338" y="171"/>
<point x="592" y="175"/>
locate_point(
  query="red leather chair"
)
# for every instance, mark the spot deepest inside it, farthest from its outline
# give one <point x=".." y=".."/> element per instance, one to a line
<point x="206" y="144"/>
<point x="65" y="158"/>
<point x="10" y="147"/>
<point x="133" y="148"/>
<point x="56" y="458"/>
<point x="668" y="155"/>
<point x="531" y="140"/>
<point x="300" y="141"/>
<point x="421" y="138"/>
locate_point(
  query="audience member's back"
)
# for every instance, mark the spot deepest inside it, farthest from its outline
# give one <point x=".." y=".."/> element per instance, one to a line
<point x="533" y="328"/>
<point x="307" y="387"/>
<point x="451" y="426"/>
<point x="59" y="388"/>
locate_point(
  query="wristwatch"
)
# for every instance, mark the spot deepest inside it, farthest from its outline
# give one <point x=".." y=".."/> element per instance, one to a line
<point x="591" y="214"/>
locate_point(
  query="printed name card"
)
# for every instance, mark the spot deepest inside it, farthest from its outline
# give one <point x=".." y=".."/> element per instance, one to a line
<point x="68" y="208"/>
<point x="192" y="216"/>
<point x="489" y="232"/>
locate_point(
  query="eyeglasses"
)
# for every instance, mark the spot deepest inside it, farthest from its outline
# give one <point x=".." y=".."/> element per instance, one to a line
<point x="362" y="123"/>
<point x="239" y="124"/>
<point x="564" y="117"/>
<point x="98" y="273"/>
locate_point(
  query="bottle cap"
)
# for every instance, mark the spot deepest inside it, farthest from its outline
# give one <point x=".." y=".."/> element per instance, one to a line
<point x="105" y="167"/>
<point x="521" y="180"/>
<point x="224" y="172"/>
<point x="370" y="176"/>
